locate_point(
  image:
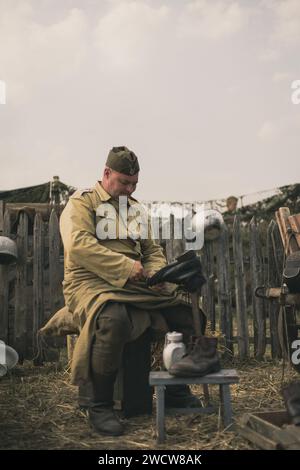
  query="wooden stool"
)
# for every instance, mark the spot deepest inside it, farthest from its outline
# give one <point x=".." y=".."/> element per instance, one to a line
<point x="223" y="378"/>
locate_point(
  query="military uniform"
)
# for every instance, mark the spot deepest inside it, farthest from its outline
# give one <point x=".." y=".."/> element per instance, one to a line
<point x="97" y="272"/>
<point x="108" y="309"/>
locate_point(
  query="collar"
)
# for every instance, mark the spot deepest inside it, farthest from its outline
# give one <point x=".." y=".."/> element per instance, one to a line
<point x="104" y="195"/>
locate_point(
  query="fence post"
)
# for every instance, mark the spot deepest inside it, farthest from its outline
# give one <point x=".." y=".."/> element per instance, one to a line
<point x="224" y="293"/>
<point x="20" y="321"/>
<point x="273" y="281"/>
<point x="2" y="210"/>
<point x="38" y="283"/>
<point x="209" y="286"/>
<point x="240" y="291"/>
<point x="170" y="241"/>
<point x="54" y="265"/>
<point x="4" y="286"/>
<point x="257" y="279"/>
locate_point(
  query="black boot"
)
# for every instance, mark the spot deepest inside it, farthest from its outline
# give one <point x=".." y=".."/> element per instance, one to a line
<point x="291" y="395"/>
<point x="100" y="412"/>
<point x="203" y="359"/>
<point x="180" y="396"/>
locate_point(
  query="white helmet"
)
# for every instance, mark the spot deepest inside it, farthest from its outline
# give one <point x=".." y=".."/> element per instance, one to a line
<point x="8" y="251"/>
<point x="8" y="358"/>
<point x="211" y="222"/>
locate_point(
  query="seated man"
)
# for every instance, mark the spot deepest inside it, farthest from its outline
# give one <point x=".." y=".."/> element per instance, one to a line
<point x="105" y="285"/>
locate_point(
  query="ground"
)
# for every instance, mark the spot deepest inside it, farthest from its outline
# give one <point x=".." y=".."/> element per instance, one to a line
<point x="39" y="411"/>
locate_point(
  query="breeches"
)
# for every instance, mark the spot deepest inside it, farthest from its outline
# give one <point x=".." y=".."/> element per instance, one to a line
<point x="114" y="330"/>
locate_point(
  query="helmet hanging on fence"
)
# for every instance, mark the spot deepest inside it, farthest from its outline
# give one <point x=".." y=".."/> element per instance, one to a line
<point x="8" y="251"/>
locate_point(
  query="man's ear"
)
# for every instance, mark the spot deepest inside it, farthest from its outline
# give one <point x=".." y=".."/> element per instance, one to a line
<point x="107" y="172"/>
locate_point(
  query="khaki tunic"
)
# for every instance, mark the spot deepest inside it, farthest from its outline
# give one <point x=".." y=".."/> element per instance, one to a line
<point x="97" y="271"/>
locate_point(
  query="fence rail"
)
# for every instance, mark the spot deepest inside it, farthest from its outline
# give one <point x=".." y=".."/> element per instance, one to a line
<point x="244" y="257"/>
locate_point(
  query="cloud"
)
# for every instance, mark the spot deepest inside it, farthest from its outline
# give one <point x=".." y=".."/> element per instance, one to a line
<point x="267" y="130"/>
<point x="287" y="17"/>
<point x="285" y="127"/>
<point x="128" y="31"/>
<point x="212" y="20"/>
<point x="32" y="53"/>
<point x="284" y="31"/>
<point x="279" y="77"/>
<point x="269" y="55"/>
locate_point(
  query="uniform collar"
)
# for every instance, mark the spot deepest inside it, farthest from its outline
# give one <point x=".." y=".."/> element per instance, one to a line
<point x="104" y="195"/>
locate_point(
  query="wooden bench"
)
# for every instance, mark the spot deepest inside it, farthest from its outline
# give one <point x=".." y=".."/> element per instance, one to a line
<point x="224" y="378"/>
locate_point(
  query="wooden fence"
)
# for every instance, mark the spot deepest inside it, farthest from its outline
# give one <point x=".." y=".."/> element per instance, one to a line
<point x="244" y="257"/>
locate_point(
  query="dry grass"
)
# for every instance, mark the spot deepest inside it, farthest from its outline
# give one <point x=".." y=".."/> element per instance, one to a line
<point x="39" y="411"/>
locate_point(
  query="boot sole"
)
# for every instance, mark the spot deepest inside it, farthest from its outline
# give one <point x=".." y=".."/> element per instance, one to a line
<point x="105" y="433"/>
<point x="181" y="373"/>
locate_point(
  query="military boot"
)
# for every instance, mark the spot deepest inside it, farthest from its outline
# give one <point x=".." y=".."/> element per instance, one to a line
<point x="100" y="411"/>
<point x="291" y="395"/>
<point x="202" y="359"/>
<point x="180" y="396"/>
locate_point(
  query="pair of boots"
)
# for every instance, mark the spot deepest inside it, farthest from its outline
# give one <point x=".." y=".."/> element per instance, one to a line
<point x="202" y="359"/>
<point x="97" y="398"/>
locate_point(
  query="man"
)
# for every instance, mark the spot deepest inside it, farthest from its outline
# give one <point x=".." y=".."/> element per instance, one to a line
<point x="105" y="286"/>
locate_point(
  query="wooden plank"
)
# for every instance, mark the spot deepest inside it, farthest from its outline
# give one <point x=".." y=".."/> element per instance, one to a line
<point x="224" y="376"/>
<point x="240" y="291"/>
<point x="224" y="292"/>
<point x="294" y="221"/>
<point x="208" y="290"/>
<point x="55" y="281"/>
<point x="170" y="241"/>
<point x="178" y="243"/>
<point x="38" y="284"/>
<point x="257" y="278"/>
<point x="289" y="241"/>
<point x="20" y="322"/>
<point x="1" y="216"/>
<point x="278" y="253"/>
<point x="4" y="286"/>
<point x="257" y="439"/>
<point x="273" y="306"/>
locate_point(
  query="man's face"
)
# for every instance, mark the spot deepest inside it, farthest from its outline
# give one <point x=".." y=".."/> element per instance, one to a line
<point x="119" y="184"/>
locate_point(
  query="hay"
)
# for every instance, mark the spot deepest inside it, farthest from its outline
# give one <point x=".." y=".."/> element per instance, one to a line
<point x="39" y="411"/>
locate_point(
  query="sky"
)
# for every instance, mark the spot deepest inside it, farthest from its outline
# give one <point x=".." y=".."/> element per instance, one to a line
<point x="200" y="90"/>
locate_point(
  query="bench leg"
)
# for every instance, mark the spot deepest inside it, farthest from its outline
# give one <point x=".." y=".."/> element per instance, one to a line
<point x="206" y="395"/>
<point x="225" y="400"/>
<point x="160" y="413"/>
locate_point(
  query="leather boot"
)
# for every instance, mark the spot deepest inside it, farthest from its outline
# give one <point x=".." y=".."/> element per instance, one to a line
<point x="202" y="359"/>
<point x="100" y="412"/>
<point x="180" y="396"/>
<point x="291" y="395"/>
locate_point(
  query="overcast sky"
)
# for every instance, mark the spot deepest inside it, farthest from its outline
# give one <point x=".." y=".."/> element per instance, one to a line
<point x="199" y="89"/>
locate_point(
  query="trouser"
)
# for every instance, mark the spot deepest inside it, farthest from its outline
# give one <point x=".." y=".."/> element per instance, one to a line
<point x="113" y="331"/>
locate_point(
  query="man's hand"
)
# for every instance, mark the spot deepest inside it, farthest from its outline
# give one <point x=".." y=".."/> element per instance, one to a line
<point x="137" y="272"/>
<point x="158" y="287"/>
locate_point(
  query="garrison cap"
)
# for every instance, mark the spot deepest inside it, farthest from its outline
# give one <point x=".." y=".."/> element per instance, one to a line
<point x="123" y="160"/>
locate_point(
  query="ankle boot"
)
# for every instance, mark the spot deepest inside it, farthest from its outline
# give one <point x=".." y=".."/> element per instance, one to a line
<point x="291" y="395"/>
<point x="180" y="396"/>
<point x="202" y="359"/>
<point x="100" y="412"/>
